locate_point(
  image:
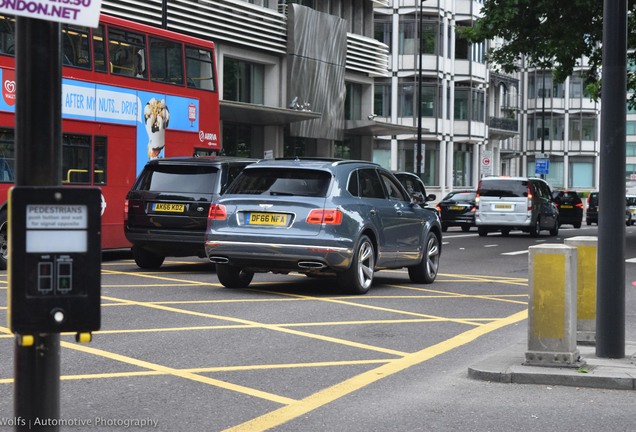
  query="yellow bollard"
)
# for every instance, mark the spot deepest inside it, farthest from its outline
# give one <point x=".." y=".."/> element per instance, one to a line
<point x="587" y="247"/>
<point x="552" y="307"/>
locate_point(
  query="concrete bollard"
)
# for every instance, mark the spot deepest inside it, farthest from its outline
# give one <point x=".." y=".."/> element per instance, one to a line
<point x="587" y="247"/>
<point x="552" y="308"/>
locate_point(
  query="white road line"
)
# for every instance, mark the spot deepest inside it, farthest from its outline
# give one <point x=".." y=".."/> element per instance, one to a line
<point x="631" y="260"/>
<point x="491" y="245"/>
<point x="458" y="235"/>
<point x="521" y="252"/>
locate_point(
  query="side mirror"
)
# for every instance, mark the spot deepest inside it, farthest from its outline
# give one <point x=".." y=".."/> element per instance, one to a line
<point x="431" y="197"/>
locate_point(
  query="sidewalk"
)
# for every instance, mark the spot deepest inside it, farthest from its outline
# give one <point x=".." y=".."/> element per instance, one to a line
<point x="507" y="367"/>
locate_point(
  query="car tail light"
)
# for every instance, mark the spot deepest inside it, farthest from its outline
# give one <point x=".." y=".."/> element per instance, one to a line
<point x="477" y="194"/>
<point x="529" y="198"/>
<point x="439" y="209"/>
<point x="326" y="216"/>
<point x="580" y="205"/>
<point x="126" y="211"/>
<point x="217" y="212"/>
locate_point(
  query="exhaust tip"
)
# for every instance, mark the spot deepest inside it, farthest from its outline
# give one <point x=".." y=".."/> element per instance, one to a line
<point x="311" y="265"/>
<point x="219" y="260"/>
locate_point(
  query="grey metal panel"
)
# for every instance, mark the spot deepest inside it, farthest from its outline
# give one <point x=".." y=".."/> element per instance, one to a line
<point x="317" y="52"/>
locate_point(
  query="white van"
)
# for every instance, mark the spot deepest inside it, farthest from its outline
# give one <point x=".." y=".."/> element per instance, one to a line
<point x="515" y="203"/>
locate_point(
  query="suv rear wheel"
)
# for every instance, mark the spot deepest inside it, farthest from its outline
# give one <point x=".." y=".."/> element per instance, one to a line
<point x="359" y="277"/>
<point x="145" y="259"/>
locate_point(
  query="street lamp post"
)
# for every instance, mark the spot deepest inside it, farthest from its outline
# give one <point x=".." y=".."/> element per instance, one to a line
<point x="418" y="159"/>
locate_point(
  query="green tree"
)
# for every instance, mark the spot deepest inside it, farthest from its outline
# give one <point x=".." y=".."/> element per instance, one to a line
<point x="550" y="34"/>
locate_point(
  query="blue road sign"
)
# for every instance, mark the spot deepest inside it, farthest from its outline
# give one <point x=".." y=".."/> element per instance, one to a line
<point x="542" y="166"/>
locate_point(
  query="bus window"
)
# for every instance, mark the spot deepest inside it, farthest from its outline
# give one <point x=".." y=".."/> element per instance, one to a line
<point x="7" y="155"/>
<point x="76" y="158"/>
<point x="99" y="167"/>
<point x="7" y="35"/>
<point x="99" y="49"/>
<point x="199" y="68"/>
<point x="126" y="51"/>
<point x="166" y="61"/>
<point x="75" y="46"/>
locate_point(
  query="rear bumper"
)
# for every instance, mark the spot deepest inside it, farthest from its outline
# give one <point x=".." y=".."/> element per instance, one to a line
<point x="259" y="256"/>
<point x="168" y="243"/>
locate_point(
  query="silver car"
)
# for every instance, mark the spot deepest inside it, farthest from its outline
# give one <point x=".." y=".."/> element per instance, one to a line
<point x="342" y="218"/>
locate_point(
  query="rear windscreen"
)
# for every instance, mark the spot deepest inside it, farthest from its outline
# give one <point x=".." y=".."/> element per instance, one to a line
<point x="179" y="178"/>
<point x="504" y="188"/>
<point x="461" y="196"/>
<point x="281" y="181"/>
<point x="569" y="198"/>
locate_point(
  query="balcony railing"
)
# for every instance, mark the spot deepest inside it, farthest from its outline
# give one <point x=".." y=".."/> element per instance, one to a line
<point x="503" y="123"/>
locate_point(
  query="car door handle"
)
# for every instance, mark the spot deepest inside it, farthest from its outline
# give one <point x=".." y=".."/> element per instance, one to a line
<point x="372" y="212"/>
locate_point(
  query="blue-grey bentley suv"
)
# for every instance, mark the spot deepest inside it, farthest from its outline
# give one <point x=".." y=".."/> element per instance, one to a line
<point x="339" y="218"/>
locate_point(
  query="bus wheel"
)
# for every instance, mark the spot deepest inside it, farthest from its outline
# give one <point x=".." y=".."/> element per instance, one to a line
<point x="4" y="240"/>
<point x="145" y="259"/>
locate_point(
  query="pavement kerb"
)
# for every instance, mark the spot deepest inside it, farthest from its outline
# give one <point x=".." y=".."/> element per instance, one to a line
<point x="507" y="366"/>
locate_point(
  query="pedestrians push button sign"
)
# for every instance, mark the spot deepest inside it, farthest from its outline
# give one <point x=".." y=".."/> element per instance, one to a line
<point x="54" y="259"/>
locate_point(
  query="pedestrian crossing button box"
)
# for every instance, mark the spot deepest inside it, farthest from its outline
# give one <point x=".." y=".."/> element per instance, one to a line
<point x="54" y="259"/>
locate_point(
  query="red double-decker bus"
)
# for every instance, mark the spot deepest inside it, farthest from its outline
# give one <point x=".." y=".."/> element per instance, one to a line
<point x="130" y="93"/>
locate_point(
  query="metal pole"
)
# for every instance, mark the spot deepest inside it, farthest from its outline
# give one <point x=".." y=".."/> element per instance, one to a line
<point x="610" y="306"/>
<point x="38" y="163"/>
<point x="418" y="161"/>
<point x="543" y="116"/>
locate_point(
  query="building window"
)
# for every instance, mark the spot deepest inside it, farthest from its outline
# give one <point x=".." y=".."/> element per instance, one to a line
<point x="243" y="81"/>
<point x="462" y="47"/>
<point x="408" y="36"/>
<point x="430" y="31"/>
<point x="406" y="99"/>
<point x="382" y="98"/>
<point x="353" y="102"/>
<point x="478" y="113"/>
<point x="462" y="167"/>
<point x="383" y="30"/>
<point x="583" y="128"/>
<point x="461" y="103"/>
<point x="581" y="174"/>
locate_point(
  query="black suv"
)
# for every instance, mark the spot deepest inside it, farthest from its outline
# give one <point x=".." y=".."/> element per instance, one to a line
<point x="167" y="208"/>
<point x="570" y="207"/>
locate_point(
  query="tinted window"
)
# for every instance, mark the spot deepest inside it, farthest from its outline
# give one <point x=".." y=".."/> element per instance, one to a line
<point x="369" y="184"/>
<point x="568" y="197"/>
<point x="178" y="178"/>
<point x="282" y="181"/>
<point x="593" y="199"/>
<point x="506" y="188"/>
<point x="631" y="201"/>
<point x="461" y="196"/>
<point x="394" y="190"/>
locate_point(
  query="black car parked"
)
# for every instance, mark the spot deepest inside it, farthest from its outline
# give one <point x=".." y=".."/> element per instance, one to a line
<point x="570" y="207"/>
<point x="167" y="208"/>
<point x="458" y="209"/>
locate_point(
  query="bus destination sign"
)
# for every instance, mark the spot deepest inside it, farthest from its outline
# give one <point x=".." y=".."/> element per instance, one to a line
<point x="82" y="12"/>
